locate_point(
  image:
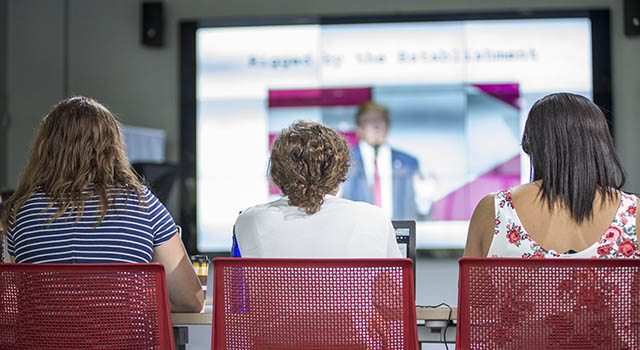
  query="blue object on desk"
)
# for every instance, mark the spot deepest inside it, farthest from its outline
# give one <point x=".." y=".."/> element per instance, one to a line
<point x="235" y="251"/>
<point x="239" y="301"/>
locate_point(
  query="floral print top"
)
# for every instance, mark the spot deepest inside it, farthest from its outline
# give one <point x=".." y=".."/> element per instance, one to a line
<point x="511" y="240"/>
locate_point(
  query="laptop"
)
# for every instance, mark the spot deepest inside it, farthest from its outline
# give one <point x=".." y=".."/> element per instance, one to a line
<point x="406" y="238"/>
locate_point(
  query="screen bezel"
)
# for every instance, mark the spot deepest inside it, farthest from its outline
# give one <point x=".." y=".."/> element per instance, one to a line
<point x="411" y="247"/>
<point x="601" y="74"/>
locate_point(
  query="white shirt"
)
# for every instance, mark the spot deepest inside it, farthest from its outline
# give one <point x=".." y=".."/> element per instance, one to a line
<point x="340" y="229"/>
<point x="384" y="170"/>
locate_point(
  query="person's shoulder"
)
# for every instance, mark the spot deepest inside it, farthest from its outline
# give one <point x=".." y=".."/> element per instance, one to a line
<point x="402" y="156"/>
<point x="627" y="201"/>
<point x="340" y="201"/>
<point x="36" y="201"/>
<point x="354" y="153"/>
<point x="629" y="196"/>
<point x="527" y="193"/>
<point x="145" y="190"/>
<point x="349" y="207"/>
<point x="146" y="199"/>
<point x="37" y="197"/>
<point x="263" y="209"/>
<point x="128" y="192"/>
<point x="524" y="188"/>
<point x="251" y="221"/>
<point x="481" y="227"/>
<point x="486" y="204"/>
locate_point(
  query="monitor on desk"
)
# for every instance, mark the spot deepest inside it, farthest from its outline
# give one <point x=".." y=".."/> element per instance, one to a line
<point x="406" y="238"/>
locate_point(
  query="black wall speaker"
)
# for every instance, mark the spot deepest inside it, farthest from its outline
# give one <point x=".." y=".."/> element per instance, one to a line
<point x="632" y="17"/>
<point x="152" y="24"/>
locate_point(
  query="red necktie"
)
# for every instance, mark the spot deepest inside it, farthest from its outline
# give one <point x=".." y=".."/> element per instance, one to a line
<point x="377" y="191"/>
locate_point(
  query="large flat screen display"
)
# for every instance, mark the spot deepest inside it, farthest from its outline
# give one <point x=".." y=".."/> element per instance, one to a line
<point x="457" y="92"/>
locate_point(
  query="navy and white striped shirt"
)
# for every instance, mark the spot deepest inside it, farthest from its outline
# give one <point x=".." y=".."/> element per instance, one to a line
<point x="128" y="233"/>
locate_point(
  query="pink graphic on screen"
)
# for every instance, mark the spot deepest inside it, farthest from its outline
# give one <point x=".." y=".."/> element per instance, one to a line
<point x="459" y="204"/>
<point x="330" y="97"/>
<point x="507" y="93"/>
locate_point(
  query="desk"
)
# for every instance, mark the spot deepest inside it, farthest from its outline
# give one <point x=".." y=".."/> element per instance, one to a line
<point x="433" y="325"/>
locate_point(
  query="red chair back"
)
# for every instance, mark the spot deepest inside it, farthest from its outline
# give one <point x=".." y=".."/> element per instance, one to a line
<point x="313" y="304"/>
<point x="84" y="306"/>
<point x="548" y="304"/>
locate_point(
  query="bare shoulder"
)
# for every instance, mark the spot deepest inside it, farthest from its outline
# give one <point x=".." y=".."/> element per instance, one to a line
<point x="528" y="189"/>
<point x="484" y="212"/>
<point x="481" y="228"/>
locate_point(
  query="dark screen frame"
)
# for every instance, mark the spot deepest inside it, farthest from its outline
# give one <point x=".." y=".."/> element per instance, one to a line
<point x="601" y="73"/>
<point x="411" y="247"/>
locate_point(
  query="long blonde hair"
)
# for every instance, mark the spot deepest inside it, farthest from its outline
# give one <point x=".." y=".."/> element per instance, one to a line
<point x="79" y="152"/>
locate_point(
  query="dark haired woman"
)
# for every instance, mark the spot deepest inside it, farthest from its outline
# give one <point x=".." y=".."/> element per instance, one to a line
<point x="78" y="201"/>
<point x="308" y="163"/>
<point x="574" y="207"/>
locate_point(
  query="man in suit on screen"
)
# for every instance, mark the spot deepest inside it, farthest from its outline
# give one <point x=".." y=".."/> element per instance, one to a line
<point x="379" y="174"/>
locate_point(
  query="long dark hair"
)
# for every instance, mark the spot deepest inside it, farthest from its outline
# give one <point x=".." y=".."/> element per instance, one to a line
<point x="572" y="153"/>
<point x="79" y="148"/>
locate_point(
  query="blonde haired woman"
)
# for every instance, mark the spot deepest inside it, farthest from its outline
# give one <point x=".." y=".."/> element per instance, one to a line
<point x="78" y="201"/>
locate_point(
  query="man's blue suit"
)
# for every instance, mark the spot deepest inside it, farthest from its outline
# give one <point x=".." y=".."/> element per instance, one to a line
<point x="404" y="167"/>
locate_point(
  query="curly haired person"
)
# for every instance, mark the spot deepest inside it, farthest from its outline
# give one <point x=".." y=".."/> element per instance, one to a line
<point x="308" y="163"/>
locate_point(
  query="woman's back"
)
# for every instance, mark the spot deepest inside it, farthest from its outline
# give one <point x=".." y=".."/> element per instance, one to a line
<point x="574" y="198"/>
<point x="65" y="209"/>
<point x="128" y="233"/>
<point x="525" y="226"/>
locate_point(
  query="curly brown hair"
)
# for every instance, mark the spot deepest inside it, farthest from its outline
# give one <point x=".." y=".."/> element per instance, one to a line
<point x="308" y="161"/>
<point x="79" y="152"/>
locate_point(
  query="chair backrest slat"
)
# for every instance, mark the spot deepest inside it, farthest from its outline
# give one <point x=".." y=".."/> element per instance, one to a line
<point x="507" y="303"/>
<point x="313" y="304"/>
<point x="84" y="306"/>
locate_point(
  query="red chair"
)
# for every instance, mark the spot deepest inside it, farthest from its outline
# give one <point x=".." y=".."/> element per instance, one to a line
<point x="84" y="306"/>
<point x="271" y="304"/>
<point x="548" y="304"/>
